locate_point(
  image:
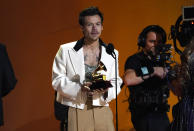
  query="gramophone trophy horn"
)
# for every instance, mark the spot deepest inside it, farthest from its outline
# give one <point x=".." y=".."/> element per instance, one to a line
<point x="99" y="79"/>
<point x="98" y="76"/>
<point x="101" y="66"/>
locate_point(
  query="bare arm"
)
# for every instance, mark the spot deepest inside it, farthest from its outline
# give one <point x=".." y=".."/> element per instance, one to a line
<point x="131" y="79"/>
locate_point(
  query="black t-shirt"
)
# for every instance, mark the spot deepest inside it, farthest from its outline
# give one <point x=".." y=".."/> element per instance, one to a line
<point x="139" y="61"/>
<point x="153" y="86"/>
<point x="142" y="65"/>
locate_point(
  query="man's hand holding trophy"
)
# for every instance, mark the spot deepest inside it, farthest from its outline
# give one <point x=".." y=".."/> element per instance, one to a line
<point x="98" y="82"/>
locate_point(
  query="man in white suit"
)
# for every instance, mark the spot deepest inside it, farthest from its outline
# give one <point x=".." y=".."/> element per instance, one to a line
<point x="72" y="68"/>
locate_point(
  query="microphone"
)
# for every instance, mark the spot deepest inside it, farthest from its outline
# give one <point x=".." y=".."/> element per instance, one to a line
<point x="110" y="48"/>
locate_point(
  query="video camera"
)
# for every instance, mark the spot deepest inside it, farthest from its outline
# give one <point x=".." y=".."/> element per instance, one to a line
<point x="183" y="30"/>
<point x="163" y="55"/>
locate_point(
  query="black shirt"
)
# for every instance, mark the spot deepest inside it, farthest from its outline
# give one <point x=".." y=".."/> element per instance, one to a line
<point x="150" y="92"/>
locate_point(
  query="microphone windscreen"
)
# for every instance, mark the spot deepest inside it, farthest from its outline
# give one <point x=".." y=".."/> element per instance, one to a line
<point x="110" y="48"/>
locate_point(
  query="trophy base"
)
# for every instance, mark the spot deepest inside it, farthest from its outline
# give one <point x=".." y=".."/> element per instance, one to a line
<point x="100" y="84"/>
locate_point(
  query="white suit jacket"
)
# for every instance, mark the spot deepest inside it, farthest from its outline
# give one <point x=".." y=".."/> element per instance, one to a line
<point x="68" y="62"/>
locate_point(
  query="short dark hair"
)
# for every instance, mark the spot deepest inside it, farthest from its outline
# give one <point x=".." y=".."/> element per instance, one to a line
<point x="89" y="12"/>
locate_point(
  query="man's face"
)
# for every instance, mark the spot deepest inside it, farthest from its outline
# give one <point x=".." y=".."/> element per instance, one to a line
<point x="152" y="40"/>
<point x="92" y="27"/>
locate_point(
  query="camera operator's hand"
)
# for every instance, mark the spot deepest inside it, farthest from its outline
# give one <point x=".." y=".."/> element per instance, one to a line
<point x="161" y="72"/>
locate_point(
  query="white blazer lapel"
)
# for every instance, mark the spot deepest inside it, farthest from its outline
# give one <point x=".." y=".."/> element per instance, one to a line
<point x="105" y="57"/>
<point x="77" y="60"/>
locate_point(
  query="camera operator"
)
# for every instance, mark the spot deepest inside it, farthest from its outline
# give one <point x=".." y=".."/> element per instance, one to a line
<point x="146" y="81"/>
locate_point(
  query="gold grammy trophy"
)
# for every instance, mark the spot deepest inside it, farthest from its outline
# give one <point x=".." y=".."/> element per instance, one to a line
<point x="98" y="79"/>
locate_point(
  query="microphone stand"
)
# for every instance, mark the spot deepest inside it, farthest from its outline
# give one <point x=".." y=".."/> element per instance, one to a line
<point x="110" y="51"/>
<point x="114" y="56"/>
